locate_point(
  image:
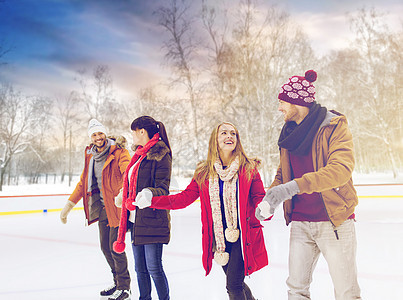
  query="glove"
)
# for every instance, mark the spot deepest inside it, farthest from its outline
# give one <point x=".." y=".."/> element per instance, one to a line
<point x="66" y="210"/>
<point x="119" y="199"/>
<point x="262" y="211"/>
<point x="143" y="199"/>
<point x="280" y="193"/>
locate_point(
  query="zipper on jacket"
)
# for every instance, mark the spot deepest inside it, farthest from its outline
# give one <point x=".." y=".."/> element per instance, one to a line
<point x="240" y="231"/>
<point x="210" y="242"/>
<point x="334" y="227"/>
<point x="321" y="197"/>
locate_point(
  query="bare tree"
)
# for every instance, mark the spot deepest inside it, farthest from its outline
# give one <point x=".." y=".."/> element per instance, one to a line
<point x="69" y="119"/>
<point x="170" y="111"/>
<point x="19" y="119"/>
<point x="180" y="47"/>
<point x="3" y="51"/>
<point x="39" y="148"/>
<point x="380" y="112"/>
<point x="97" y="96"/>
<point x="251" y="55"/>
<point x="3" y="48"/>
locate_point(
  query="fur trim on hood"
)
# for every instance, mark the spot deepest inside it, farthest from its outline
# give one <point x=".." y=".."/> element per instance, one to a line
<point x="158" y="152"/>
<point x="120" y="141"/>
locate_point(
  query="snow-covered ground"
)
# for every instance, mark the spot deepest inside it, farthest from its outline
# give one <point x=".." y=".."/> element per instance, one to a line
<point x="41" y="258"/>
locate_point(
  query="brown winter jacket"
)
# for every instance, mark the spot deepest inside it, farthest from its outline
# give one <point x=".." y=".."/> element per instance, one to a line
<point x="333" y="163"/>
<point x="153" y="225"/>
<point x="112" y="179"/>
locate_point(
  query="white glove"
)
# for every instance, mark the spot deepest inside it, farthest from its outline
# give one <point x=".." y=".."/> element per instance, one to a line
<point x="119" y="199"/>
<point x="66" y="210"/>
<point x="143" y="199"/>
<point x="258" y="215"/>
<point x="280" y="193"/>
<point x="263" y="211"/>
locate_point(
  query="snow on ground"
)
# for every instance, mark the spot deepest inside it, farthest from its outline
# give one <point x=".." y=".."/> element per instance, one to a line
<point x="41" y="258"/>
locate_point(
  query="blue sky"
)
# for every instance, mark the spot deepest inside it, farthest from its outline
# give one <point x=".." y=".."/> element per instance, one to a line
<point x="51" y="39"/>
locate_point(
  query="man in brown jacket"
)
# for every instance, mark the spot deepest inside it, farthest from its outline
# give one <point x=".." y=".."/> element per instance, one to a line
<point x="314" y="180"/>
<point x="101" y="180"/>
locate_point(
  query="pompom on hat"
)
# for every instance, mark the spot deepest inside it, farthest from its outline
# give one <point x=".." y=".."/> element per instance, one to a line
<point x="95" y="126"/>
<point x="299" y="90"/>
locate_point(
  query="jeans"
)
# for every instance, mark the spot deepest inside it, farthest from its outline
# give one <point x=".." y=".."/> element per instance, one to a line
<point x="237" y="289"/>
<point x="116" y="261"/>
<point x="148" y="263"/>
<point x="307" y="241"/>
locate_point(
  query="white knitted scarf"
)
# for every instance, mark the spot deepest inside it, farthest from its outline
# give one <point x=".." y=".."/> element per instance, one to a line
<point x="230" y="176"/>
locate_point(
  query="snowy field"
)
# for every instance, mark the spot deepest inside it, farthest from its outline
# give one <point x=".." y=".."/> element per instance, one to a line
<point x="41" y="258"/>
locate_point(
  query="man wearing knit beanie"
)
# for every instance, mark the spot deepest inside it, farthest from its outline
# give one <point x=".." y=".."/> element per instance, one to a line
<point x="100" y="182"/>
<point x="314" y="183"/>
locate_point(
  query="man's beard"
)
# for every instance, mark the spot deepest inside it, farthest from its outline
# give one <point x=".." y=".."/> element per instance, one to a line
<point x="102" y="146"/>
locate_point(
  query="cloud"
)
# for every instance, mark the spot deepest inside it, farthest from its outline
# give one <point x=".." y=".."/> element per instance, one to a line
<point x="331" y="30"/>
<point x="52" y="39"/>
<point x="130" y="79"/>
<point x="325" y="31"/>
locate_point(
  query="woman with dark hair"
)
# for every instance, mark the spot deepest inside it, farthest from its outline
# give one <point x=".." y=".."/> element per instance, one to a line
<point x="230" y="189"/>
<point x="150" y="167"/>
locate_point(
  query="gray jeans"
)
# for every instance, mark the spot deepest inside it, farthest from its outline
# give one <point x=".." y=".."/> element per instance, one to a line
<point x="307" y="241"/>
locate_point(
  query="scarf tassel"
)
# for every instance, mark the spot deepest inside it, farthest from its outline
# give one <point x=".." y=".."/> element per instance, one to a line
<point x="231" y="235"/>
<point x="221" y="258"/>
<point x="119" y="245"/>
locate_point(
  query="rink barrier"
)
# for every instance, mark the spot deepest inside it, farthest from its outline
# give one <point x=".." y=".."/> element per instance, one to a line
<point x="45" y="210"/>
<point x="35" y="211"/>
<point x="34" y="196"/>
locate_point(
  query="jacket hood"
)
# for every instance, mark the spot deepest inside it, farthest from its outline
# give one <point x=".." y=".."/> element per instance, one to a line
<point x="158" y="151"/>
<point x="331" y="117"/>
<point x="117" y="142"/>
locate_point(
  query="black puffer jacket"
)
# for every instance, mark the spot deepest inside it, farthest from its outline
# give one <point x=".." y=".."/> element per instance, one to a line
<point x="153" y="225"/>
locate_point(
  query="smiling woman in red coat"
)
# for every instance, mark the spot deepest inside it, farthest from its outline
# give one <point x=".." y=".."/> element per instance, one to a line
<point x="230" y="188"/>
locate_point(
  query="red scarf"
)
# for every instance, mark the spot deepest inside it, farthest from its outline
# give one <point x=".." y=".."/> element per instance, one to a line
<point x="129" y="190"/>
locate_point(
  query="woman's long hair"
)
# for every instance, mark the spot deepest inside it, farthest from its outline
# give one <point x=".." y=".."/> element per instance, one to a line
<point x="152" y="127"/>
<point x="206" y="169"/>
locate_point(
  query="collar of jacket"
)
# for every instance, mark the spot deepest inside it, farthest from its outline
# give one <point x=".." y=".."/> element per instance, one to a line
<point x="158" y="151"/>
<point x="111" y="150"/>
<point x="332" y="117"/>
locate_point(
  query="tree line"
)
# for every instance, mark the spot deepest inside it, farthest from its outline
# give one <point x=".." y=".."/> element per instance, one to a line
<point x="223" y="66"/>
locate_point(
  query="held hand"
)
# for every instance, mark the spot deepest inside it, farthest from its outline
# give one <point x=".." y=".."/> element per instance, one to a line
<point x="143" y="199"/>
<point x="66" y="210"/>
<point x="263" y="211"/>
<point x="280" y="193"/>
<point x="119" y="199"/>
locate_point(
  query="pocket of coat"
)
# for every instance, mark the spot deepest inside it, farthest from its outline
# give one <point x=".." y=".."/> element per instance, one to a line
<point x="347" y="193"/>
<point x="154" y="218"/>
<point x="256" y="240"/>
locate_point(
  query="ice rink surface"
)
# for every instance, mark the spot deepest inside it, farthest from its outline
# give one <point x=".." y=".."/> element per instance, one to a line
<point x="41" y="258"/>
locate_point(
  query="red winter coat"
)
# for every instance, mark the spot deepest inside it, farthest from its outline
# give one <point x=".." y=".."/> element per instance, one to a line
<point x="250" y="194"/>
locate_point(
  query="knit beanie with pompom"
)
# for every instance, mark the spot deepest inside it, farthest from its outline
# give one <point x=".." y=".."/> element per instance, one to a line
<point x="299" y="90"/>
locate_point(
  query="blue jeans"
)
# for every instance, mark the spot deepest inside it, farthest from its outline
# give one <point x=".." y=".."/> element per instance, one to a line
<point x="148" y="263"/>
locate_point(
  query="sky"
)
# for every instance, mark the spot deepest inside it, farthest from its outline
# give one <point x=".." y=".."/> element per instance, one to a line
<point x="50" y="40"/>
